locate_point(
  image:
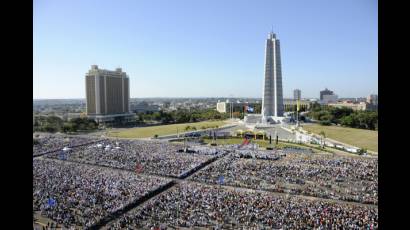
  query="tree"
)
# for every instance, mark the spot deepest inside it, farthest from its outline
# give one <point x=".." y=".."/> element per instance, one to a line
<point x="362" y="151"/>
<point x="81" y="124"/>
<point x="325" y="122"/>
<point x="347" y="121"/>
<point x="68" y="127"/>
<point x="140" y="118"/>
<point x="315" y="107"/>
<point x="338" y="113"/>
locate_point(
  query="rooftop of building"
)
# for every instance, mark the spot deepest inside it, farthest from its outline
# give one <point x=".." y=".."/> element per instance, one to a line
<point x="117" y="72"/>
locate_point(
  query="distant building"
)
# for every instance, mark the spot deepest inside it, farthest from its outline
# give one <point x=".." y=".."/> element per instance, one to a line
<point x="221" y="107"/>
<point x="297" y="94"/>
<point x="143" y="107"/>
<point x="329" y="98"/>
<point x="373" y="99"/>
<point x="290" y="104"/>
<point x="107" y="95"/>
<point x="313" y="100"/>
<point x="361" y="106"/>
<point x="325" y="92"/>
<point x="70" y="116"/>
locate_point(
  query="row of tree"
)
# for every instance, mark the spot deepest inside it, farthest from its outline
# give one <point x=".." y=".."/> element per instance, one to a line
<point x="56" y="124"/>
<point x="344" y="116"/>
<point x="181" y="116"/>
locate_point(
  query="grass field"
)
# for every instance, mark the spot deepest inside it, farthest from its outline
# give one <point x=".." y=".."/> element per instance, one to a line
<point x="160" y="130"/>
<point x="357" y="137"/>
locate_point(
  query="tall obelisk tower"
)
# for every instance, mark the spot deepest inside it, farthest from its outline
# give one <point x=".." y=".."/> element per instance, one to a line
<point x="272" y="100"/>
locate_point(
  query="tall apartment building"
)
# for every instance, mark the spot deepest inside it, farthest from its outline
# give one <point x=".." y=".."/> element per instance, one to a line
<point x="297" y="94"/>
<point x="107" y="94"/>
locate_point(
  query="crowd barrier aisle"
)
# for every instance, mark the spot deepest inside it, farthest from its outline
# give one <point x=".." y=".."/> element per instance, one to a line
<point x="199" y="167"/>
<point x="74" y="146"/>
<point x="104" y="221"/>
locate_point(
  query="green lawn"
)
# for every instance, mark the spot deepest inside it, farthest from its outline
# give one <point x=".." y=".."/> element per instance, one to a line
<point x="161" y="130"/>
<point x="357" y="137"/>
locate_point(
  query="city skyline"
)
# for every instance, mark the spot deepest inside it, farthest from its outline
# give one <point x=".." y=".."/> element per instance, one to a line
<point x="216" y="53"/>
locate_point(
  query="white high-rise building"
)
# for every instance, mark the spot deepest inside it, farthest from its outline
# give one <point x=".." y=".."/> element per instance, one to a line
<point x="272" y="100"/>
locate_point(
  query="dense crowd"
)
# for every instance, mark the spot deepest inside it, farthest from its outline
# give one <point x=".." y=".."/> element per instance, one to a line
<point x="150" y="157"/>
<point x="257" y="154"/>
<point x="193" y="205"/>
<point x="319" y="175"/>
<point x="46" y="143"/>
<point x="83" y="194"/>
<point x="205" y="150"/>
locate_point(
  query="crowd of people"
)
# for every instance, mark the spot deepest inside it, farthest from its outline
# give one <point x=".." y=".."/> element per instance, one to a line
<point x="81" y="185"/>
<point x="80" y="195"/>
<point x="191" y="205"/>
<point x="47" y="143"/>
<point x="205" y="150"/>
<point x="150" y="157"/>
<point x="257" y="154"/>
<point x="325" y="176"/>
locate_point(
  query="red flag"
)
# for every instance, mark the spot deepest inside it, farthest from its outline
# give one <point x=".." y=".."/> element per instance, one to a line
<point x="138" y="168"/>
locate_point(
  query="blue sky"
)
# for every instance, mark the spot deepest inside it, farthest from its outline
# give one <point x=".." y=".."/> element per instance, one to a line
<point x="205" y="48"/>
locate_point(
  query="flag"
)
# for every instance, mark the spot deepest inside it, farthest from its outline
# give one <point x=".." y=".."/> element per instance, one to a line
<point x="138" y="168"/>
<point x="51" y="202"/>
<point x="298" y="105"/>
<point x="221" y="179"/>
<point x="62" y="156"/>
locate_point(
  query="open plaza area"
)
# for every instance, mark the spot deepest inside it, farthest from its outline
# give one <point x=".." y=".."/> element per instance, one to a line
<point x="151" y="184"/>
